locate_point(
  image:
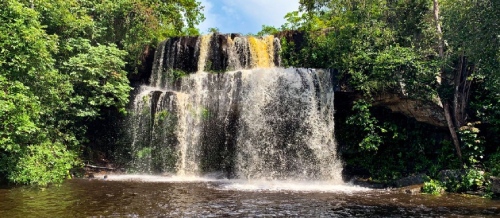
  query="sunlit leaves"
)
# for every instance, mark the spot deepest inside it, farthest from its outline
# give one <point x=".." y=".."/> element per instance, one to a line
<point x="99" y="79"/>
<point x="61" y="63"/>
<point x="43" y="164"/>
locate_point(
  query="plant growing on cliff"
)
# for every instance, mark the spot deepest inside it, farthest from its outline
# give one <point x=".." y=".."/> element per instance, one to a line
<point x="363" y="118"/>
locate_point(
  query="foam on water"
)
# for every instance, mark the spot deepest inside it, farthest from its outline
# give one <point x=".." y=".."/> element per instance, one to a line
<point x="246" y="185"/>
<point x="155" y="178"/>
<point x="293" y="186"/>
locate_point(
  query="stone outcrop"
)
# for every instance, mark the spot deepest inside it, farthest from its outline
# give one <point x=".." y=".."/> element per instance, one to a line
<point x="495" y="185"/>
<point x="411" y="180"/>
<point x="426" y="112"/>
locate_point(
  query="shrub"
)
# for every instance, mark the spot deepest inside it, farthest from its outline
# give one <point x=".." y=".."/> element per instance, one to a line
<point x="433" y="187"/>
<point x="493" y="164"/>
<point x="44" y="164"/>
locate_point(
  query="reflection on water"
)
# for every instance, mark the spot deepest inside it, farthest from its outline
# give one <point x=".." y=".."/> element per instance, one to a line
<point x="151" y="196"/>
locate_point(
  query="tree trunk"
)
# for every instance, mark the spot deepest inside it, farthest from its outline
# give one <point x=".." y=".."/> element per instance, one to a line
<point x="447" y="113"/>
<point x="451" y="127"/>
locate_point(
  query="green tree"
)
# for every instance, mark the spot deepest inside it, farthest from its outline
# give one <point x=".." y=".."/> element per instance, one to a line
<point x="32" y="93"/>
<point x="445" y="50"/>
<point x="61" y="64"/>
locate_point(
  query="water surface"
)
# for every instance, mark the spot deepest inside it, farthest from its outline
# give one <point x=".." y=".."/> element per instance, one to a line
<point x="181" y="197"/>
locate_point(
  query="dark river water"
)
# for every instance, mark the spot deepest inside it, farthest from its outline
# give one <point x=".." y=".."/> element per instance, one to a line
<point x="122" y="196"/>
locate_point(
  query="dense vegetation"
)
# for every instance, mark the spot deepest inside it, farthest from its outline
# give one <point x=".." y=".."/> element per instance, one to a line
<point x="62" y="63"/>
<point x="66" y="64"/>
<point x="440" y="52"/>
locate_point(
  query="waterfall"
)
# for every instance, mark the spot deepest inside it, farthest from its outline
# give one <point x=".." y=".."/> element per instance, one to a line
<point x="239" y="114"/>
<point x="204" y="43"/>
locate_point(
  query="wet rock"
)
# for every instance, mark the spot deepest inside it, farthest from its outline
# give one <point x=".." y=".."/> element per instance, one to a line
<point x="218" y="54"/>
<point x="477" y="193"/>
<point x="413" y="189"/>
<point x="495" y="184"/>
<point x="366" y="183"/>
<point x="453" y="175"/>
<point x="411" y="180"/>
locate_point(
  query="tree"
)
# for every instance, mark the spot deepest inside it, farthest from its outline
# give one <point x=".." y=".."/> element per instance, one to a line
<point x="446" y="50"/>
<point x="32" y="93"/>
<point x="61" y="64"/>
<point x="452" y="126"/>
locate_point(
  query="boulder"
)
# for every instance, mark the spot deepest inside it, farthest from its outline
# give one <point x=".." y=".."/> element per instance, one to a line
<point x="413" y="189"/>
<point x="411" y="180"/>
<point x="450" y="175"/>
<point x="495" y="185"/>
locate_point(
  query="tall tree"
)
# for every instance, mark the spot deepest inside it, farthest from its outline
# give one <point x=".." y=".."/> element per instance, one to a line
<point x="452" y="126"/>
<point x="66" y="61"/>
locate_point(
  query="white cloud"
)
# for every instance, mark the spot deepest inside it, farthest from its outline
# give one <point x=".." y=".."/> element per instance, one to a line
<point x="245" y="16"/>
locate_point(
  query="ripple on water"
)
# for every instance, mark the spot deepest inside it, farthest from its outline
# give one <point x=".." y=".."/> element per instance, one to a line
<point x="160" y="196"/>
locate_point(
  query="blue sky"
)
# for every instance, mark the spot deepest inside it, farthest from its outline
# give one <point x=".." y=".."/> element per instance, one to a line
<point x="245" y="16"/>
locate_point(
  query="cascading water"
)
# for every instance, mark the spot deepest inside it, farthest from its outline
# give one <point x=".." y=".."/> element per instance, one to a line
<point x="254" y="121"/>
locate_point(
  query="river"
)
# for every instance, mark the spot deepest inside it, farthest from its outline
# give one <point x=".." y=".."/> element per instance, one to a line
<point x="149" y="196"/>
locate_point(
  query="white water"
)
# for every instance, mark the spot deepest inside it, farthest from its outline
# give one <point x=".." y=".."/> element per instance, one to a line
<point x="286" y="128"/>
<point x="245" y="185"/>
<point x="158" y="179"/>
<point x="263" y="124"/>
<point x="286" y="185"/>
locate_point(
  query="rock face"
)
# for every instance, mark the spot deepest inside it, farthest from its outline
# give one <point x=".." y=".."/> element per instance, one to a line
<point x="214" y="52"/>
<point x="495" y="185"/>
<point x="426" y="112"/>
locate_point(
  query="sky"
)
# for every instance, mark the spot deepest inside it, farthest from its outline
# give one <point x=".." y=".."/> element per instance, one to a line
<point x="245" y="16"/>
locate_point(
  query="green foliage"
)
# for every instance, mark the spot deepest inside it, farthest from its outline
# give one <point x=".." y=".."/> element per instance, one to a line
<point x="177" y="74"/>
<point x="19" y="115"/>
<point x="33" y="93"/>
<point x="98" y="76"/>
<point x="213" y="30"/>
<point x="162" y="115"/>
<point x="391" y="47"/>
<point x="433" y="187"/>
<point x="144" y="152"/>
<point x="369" y="124"/>
<point x="368" y="42"/>
<point x="445" y="160"/>
<point x="288" y="54"/>
<point x="43" y="164"/>
<point x="267" y="30"/>
<point x="471" y="30"/>
<point x="468" y="180"/>
<point x="473" y="179"/>
<point x="493" y="164"/>
<point x="62" y="64"/>
<point x="132" y="24"/>
<point x="408" y="147"/>
<point x="473" y="149"/>
<point x="205" y="114"/>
